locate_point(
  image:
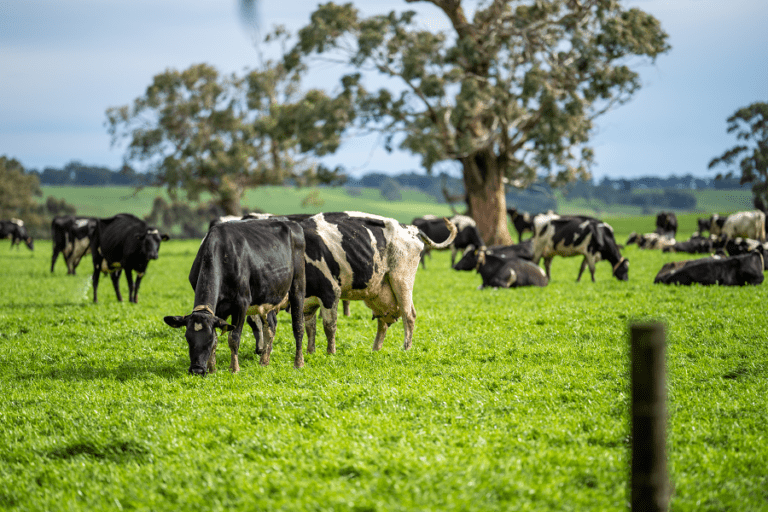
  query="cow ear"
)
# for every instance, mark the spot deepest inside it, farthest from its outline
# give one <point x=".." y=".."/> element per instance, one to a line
<point x="224" y="326"/>
<point x="164" y="237"/>
<point x="175" y="321"/>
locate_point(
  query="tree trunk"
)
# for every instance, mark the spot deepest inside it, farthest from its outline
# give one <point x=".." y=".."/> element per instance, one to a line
<point x="485" y="196"/>
<point x="230" y="194"/>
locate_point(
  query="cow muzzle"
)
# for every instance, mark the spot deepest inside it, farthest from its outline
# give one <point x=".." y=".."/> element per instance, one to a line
<point x="197" y="370"/>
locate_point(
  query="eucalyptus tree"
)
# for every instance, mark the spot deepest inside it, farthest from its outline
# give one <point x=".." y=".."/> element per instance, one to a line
<point x="511" y="93"/>
<point x="18" y="190"/>
<point x="201" y="132"/>
<point x="750" y="125"/>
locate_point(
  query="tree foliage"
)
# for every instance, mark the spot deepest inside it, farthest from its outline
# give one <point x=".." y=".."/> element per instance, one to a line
<point x="750" y="124"/>
<point x="17" y="190"/>
<point x="511" y="93"/>
<point x="199" y="131"/>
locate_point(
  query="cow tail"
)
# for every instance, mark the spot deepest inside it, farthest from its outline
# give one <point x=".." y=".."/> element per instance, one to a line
<point x="442" y="245"/>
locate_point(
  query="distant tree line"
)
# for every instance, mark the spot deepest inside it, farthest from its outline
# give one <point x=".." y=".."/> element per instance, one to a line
<point x="78" y="174"/>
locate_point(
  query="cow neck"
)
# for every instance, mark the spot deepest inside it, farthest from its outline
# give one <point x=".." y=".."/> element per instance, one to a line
<point x="621" y="260"/>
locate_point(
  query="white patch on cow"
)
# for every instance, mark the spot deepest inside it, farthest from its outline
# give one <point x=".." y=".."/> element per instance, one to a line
<point x="81" y="222"/>
<point x="198" y="327"/>
<point x="153" y="232"/>
<point x="263" y="309"/>
<point x="18" y="222"/>
<point x="745" y="224"/>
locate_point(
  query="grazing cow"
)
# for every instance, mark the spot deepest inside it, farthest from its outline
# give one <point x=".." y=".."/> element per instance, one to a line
<point x="72" y="238"/>
<point x="651" y="240"/>
<point x="729" y="271"/>
<point x="571" y="236"/>
<point x="123" y="242"/>
<point x="251" y="267"/>
<point x="17" y="232"/>
<point x="472" y="256"/>
<point x="666" y="225"/>
<point x="360" y="256"/>
<point x="736" y="246"/>
<point x="499" y="271"/>
<point x="523" y="222"/>
<point x="435" y="229"/>
<point x="745" y="224"/>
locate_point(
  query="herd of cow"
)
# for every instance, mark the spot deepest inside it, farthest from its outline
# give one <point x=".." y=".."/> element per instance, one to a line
<point x="249" y="268"/>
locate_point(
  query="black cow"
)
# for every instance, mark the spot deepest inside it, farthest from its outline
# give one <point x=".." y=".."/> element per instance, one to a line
<point x="251" y="267"/>
<point x="571" y="236"/>
<point x="435" y="229"/>
<point x="523" y="222"/>
<point x="123" y="242"/>
<point x="499" y="271"/>
<point x="698" y="245"/>
<point x="72" y="238"/>
<point x="472" y="256"/>
<point x="729" y="271"/>
<point x="17" y="232"/>
<point x="666" y="224"/>
<point x="702" y="225"/>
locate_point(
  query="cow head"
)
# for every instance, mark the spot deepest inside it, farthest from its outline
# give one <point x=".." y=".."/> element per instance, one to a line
<point x="469" y="260"/>
<point x="621" y="270"/>
<point x="150" y="242"/>
<point x="201" y="336"/>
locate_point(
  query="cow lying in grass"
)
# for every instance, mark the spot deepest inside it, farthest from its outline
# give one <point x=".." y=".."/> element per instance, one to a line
<point x="503" y="266"/>
<point x="728" y="271"/>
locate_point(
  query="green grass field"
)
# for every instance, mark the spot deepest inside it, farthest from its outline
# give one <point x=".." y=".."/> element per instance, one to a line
<point x="508" y="400"/>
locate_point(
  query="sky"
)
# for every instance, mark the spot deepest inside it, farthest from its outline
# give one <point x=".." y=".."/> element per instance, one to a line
<point x="64" y="62"/>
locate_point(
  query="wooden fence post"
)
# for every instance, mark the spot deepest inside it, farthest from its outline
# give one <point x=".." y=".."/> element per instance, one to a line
<point x="649" y="481"/>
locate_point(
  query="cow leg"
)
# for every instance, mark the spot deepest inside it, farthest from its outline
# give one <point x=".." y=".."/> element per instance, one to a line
<point x="548" y="265"/>
<point x="131" y="284"/>
<point x="581" y="269"/>
<point x="310" y="325"/>
<point x="345" y="304"/>
<point x="139" y="277"/>
<point x="381" y="332"/>
<point x="55" y="255"/>
<point x="453" y="255"/>
<point x="233" y="340"/>
<point x="330" y="317"/>
<point x="95" y="278"/>
<point x="269" y="336"/>
<point x="116" y="283"/>
<point x="403" y="294"/>
<point x="254" y="321"/>
<point x="211" y="366"/>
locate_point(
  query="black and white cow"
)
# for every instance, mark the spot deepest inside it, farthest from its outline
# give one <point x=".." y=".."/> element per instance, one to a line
<point x="716" y="223"/>
<point x="250" y="267"/>
<point x="695" y="245"/>
<point x="366" y="257"/>
<point x="666" y="225"/>
<point x="736" y="246"/>
<point x="17" y="232"/>
<point x="523" y="222"/>
<point x="435" y="229"/>
<point x="500" y="271"/>
<point x="651" y="240"/>
<point x="749" y="224"/>
<point x="72" y="238"/>
<point x="123" y="242"/>
<point x="729" y="271"/>
<point x="572" y="236"/>
<point x="473" y="256"/>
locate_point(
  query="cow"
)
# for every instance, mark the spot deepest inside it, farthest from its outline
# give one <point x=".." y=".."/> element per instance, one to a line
<point x="242" y="268"/>
<point x="736" y="246"/>
<point x="435" y="229"/>
<point x="696" y="245"/>
<point x="571" y="236"/>
<point x="702" y="225"/>
<point x="123" y="242"/>
<point x="72" y="238"/>
<point x="361" y="256"/>
<point x="716" y="223"/>
<point x="749" y="224"/>
<point x="728" y="271"/>
<point x="651" y="240"/>
<point x="666" y="225"/>
<point x="472" y="256"/>
<point x="17" y="232"/>
<point x="523" y="222"/>
<point x="501" y="271"/>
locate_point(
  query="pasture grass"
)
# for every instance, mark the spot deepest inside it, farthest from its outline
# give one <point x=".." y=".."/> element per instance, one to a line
<point x="508" y="400"/>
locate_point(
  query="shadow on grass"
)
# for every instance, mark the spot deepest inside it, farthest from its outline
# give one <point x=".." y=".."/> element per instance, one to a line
<point x="135" y="369"/>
